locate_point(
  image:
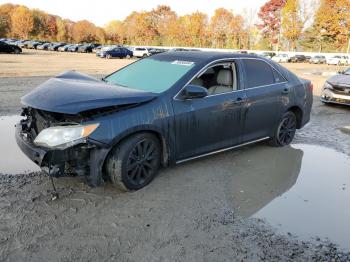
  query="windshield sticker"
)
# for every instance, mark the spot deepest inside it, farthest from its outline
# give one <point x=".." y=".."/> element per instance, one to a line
<point x="183" y="63"/>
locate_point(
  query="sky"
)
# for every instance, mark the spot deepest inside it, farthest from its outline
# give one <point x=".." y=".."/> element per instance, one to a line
<point x="101" y="12"/>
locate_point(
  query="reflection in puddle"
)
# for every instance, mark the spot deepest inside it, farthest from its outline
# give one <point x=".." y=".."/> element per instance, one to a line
<point x="304" y="190"/>
<point x="12" y="160"/>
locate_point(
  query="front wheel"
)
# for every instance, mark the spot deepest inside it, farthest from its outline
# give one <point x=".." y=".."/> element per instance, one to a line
<point x="134" y="163"/>
<point x="108" y="56"/>
<point x="285" y="131"/>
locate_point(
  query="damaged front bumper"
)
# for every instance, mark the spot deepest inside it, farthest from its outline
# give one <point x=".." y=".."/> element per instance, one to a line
<point x="328" y="96"/>
<point x="82" y="159"/>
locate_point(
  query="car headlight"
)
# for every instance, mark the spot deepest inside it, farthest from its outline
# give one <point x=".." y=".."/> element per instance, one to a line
<point x="327" y="86"/>
<point x="61" y="137"/>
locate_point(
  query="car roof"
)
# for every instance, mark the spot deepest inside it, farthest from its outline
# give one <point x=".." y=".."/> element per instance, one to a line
<point x="203" y="56"/>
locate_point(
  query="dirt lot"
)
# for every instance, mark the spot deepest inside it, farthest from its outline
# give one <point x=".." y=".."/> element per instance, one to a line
<point x="206" y="210"/>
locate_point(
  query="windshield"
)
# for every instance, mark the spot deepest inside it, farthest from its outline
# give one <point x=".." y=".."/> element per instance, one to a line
<point x="150" y="74"/>
<point x="347" y="71"/>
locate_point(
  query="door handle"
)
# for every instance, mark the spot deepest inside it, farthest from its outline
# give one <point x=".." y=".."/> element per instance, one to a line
<point x="239" y="101"/>
<point x="285" y="90"/>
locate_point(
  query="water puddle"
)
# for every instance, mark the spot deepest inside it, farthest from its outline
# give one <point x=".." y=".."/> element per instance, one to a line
<point x="12" y="160"/>
<point x="303" y="190"/>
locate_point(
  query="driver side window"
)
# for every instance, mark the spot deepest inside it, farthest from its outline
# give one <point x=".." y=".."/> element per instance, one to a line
<point x="218" y="79"/>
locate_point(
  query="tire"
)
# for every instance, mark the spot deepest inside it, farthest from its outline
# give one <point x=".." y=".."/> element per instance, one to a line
<point x="144" y="55"/>
<point x="16" y="51"/>
<point x="128" y="56"/>
<point x="108" y="56"/>
<point x="285" y="130"/>
<point x="133" y="164"/>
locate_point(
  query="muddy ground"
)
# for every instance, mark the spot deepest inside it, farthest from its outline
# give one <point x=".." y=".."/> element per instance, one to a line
<point x="191" y="212"/>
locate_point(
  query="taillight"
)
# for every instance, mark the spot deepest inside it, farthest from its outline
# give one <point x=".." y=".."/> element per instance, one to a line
<point x="311" y="87"/>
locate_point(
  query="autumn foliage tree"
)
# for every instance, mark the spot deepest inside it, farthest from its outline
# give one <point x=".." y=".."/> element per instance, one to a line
<point x="332" y="23"/>
<point x="5" y="18"/>
<point x="225" y="28"/>
<point x="291" y="22"/>
<point x="283" y="24"/>
<point x="270" y="15"/>
<point x="84" y="31"/>
<point x="22" y="22"/>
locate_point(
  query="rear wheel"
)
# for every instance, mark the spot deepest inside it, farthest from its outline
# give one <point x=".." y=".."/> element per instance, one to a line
<point x="108" y="56"/>
<point x="134" y="163"/>
<point x="16" y="51"/>
<point x="285" y="131"/>
<point x="128" y="56"/>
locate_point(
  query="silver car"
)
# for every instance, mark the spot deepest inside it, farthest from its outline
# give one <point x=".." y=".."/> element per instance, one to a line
<point x="336" y="90"/>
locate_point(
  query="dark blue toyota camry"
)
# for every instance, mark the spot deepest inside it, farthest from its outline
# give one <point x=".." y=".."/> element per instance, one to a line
<point x="159" y="111"/>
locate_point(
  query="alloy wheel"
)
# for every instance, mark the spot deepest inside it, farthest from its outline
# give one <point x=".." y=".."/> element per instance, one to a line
<point x="142" y="162"/>
<point x="287" y="129"/>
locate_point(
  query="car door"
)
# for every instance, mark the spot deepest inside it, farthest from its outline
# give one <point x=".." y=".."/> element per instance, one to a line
<point x="2" y="47"/>
<point x="122" y="53"/>
<point x="267" y="92"/>
<point x="114" y="52"/>
<point x="203" y="125"/>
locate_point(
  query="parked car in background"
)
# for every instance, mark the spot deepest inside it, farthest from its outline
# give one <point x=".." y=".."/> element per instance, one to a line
<point x="34" y="44"/>
<point x="97" y="48"/>
<point x="7" y="48"/>
<point x="64" y="48"/>
<point x="74" y="48"/>
<point x="298" y="59"/>
<point x="337" y="89"/>
<point x="24" y="44"/>
<point x="87" y="48"/>
<point x="55" y="46"/>
<point x="345" y="60"/>
<point x="154" y="51"/>
<point x="318" y="59"/>
<point x="43" y="46"/>
<point x="120" y="52"/>
<point x="281" y="58"/>
<point x="337" y="60"/>
<point x="268" y="55"/>
<point x="140" y="52"/>
<point x="100" y="52"/>
<point x="124" y="127"/>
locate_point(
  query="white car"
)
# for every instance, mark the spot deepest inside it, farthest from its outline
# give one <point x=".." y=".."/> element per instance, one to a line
<point x="346" y="60"/>
<point x="281" y="58"/>
<point x="140" y="52"/>
<point x="338" y="60"/>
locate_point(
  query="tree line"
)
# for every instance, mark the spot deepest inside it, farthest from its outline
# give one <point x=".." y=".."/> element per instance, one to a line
<point x="305" y="25"/>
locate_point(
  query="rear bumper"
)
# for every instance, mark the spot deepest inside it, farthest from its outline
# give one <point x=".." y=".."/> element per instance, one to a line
<point x="328" y="96"/>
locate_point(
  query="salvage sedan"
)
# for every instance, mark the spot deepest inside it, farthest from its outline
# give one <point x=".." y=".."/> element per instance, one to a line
<point x="159" y="111"/>
<point x="336" y="90"/>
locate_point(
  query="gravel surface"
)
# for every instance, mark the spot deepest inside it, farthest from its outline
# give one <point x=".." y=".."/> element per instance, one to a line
<point x="184" y="215"/>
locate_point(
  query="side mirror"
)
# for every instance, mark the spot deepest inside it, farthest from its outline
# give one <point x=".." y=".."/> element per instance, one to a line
<point x="194" y="91"/>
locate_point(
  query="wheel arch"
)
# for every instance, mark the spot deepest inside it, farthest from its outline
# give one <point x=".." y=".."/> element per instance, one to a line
<point x="165" y="147"/>
<point x="298" y="113"/>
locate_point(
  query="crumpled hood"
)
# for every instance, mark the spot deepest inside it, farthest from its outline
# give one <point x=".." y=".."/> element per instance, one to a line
<point x="342" y="80"/>
<point x="72" y="92"/>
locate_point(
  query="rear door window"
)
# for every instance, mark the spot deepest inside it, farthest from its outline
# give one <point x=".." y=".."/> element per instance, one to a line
<point x="259" y="73"/>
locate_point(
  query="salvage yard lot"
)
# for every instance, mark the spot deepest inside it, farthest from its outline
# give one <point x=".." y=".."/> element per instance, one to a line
<point x="21" y="73"/>
<point x="197" y="211"/>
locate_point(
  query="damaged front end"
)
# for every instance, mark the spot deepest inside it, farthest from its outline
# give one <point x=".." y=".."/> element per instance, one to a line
<point x="60" y="144"/>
